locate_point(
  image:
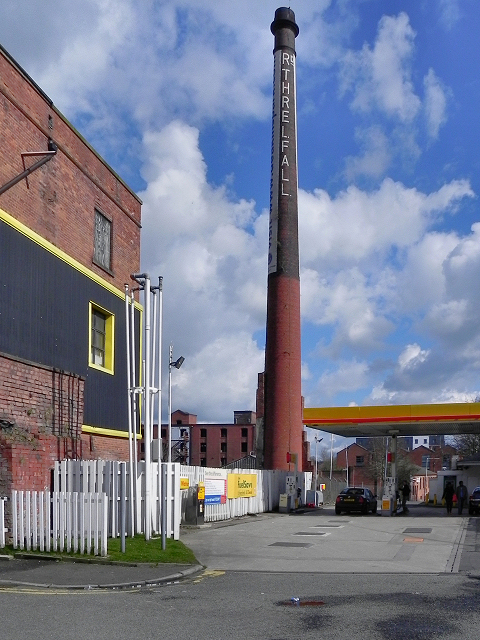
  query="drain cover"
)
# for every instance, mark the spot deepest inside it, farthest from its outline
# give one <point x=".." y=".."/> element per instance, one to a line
<point x="298" y="602"/>
<point x="417" y="530"/>
<point x="329" y="526"/>
<point x="290" y="544"/>
<point x="310" y="533"/>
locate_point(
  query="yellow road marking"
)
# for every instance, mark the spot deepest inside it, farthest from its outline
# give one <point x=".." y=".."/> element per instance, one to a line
<point x="208" y="573"/>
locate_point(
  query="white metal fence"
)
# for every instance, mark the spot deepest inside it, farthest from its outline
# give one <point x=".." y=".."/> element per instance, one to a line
<point x="60" y="521"/>
<point x="270" y="484"/>
<point x="112" y="481"/>
<point x="109" y="477"/>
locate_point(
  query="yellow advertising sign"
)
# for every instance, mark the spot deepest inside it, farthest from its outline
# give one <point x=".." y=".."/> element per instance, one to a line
<point x="242" y="485"/>
<point x="201" y="491"/>
<point x="184" y="483"/>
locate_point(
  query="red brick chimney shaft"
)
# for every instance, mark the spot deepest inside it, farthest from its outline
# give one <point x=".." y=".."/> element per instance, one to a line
<point x="283" y="394"/>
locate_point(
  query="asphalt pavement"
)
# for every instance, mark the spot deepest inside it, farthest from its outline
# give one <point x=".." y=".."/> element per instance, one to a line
<point x="424" y="540"/>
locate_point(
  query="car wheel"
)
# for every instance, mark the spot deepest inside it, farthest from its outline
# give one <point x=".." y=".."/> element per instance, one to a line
<point x="338" y="511"/>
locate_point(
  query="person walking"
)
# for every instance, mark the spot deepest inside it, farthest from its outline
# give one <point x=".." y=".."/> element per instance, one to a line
<point x="448" y="496"/>
<point x="462" y="494"/>
<point x="405" y="496"/>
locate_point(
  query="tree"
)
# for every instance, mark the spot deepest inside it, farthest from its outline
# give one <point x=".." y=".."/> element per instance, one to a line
<point x="467" y="444"/>
<point x="405" y="467"/>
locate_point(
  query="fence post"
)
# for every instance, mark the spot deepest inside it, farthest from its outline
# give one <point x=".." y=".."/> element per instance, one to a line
<point x="123" y="488"/>
<point x="3" y="530"/>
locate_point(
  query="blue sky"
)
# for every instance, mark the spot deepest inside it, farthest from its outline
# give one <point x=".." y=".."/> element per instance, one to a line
<point x="176" y="95"/>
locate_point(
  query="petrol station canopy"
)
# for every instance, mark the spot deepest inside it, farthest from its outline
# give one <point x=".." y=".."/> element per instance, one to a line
<point x="398" y="420"/>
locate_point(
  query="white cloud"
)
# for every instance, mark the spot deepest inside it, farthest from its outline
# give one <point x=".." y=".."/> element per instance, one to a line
<point x="449" y="12"/>
<point x="222" y="373"/>
<point x="377" y="154"/>
<point x="380" y="77"/>
<point x="422" y="282"/>
<point x="211" y="254"/>
<point x="435" y="103"/>
<point x="356" y="225"/>
<point x="348" y="376"/>
<point x="412" y="356"/>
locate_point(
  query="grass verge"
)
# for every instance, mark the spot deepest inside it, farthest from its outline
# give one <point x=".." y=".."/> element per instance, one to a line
<point x="137" y="549"/>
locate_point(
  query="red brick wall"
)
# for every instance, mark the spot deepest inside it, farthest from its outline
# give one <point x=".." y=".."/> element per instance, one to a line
<point x="41" y="415"/>
<point x="63" y="194"/>
<point x="214" y="441"/>
<point x="96" y="447"/>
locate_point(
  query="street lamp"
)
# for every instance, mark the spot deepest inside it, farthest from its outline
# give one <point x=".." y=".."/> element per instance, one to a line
<point x="177" y="364"/>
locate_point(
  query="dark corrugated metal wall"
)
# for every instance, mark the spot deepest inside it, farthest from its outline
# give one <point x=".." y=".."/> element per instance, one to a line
<point x="44" y="307"/>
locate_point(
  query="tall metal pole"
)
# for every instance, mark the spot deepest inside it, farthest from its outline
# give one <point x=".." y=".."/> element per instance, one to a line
<point x="130" y="401"/>
<point x="331" y="454"/>
<point x="283" y="392"/>
<point x="170" y="360"/>
<point x="133" y="480"/>
<point x="316" y="474"/>
<point x="147" y="427"/>
<point x="159" y="400"/>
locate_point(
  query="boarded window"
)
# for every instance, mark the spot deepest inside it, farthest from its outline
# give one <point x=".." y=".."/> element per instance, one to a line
<point x="103" y="241"/>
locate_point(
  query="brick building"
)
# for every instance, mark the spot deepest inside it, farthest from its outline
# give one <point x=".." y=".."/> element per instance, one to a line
<point x="209" y="445"/>
<point x="356" y="461"/>
<point x="69" y="240"/>
<point x="432" y="458"/>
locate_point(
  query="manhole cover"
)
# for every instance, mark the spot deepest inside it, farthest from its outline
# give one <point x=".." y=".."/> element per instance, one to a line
<point x="290" y="544"/>
<point x="310" y="533"/>
<point x="329" y="526"/>
<point x="417" y="530"/>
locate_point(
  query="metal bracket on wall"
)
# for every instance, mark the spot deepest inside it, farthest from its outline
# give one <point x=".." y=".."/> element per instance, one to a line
<point x="46" y="156"/>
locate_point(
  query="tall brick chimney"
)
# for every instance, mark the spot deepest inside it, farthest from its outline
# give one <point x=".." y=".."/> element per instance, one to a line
<point x="283" y="402"/>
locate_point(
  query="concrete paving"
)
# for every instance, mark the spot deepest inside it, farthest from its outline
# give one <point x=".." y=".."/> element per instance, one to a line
<point x="423" y="541"/>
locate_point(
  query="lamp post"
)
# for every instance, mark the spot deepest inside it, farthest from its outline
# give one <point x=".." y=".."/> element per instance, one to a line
<point x="317" y="440"/>
<point x="331" y="455"/>
<point x="177" y="364"/>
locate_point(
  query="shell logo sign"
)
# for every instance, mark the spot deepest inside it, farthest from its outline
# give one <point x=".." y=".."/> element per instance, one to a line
<point x="242" y="485"/>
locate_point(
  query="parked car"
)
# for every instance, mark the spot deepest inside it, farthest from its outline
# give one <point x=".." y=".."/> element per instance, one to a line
<point x="474" y="501"/>
<point x="355" y="499"/>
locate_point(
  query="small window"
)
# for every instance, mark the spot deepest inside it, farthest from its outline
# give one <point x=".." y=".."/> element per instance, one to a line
<point x="203" y="433"/>
<point x="223" y="462"/>
<point x="244" y="433"/>
<point x="101" y="348"/>
<point x="244" y="447"/>
<point x="223" y="447"/>
<point x="102" y="249"/>
<point x="359" y="461"/>
<point x="426" y="462"/>
<point x="203" y="447"/>
<point x="203" y="462"/>
<point x="164" y="433"/>
<point x="223" y="433"/>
